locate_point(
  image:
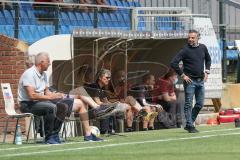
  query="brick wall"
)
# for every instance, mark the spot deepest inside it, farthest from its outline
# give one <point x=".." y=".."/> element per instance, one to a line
<point x="12" y="65"/>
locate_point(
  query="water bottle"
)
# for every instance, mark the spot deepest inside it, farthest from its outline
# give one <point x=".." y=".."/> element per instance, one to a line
<point x="18" y="140"/>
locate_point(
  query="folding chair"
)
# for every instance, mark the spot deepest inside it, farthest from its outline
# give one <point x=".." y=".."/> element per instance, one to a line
<point x="72" y="126"/>
<point x="39" y="126"/>
<point x="11" y="113"/>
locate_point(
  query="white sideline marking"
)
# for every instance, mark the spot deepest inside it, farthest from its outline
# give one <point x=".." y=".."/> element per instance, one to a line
<point x="45" y="145"/>
<point x="118" y="144"/>
<point x="50" y="145"/>
<point x="219" y="130"/>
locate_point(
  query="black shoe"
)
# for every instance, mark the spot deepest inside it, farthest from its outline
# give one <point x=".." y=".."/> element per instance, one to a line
<point x="150" y="128"/>
<point x="103" y="110"/>
<point x="61" y="111"/>
<point x="179" y="125"/>
<point x="142" y="113"/>
<point x="129" y="129"/>
<point x="145" y="129"/>
<point x="92" y="137"/>
<point x="191" y="129"/>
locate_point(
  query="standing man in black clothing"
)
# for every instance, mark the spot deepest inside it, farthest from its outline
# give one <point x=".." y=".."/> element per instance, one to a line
<point x="193" y="55"/>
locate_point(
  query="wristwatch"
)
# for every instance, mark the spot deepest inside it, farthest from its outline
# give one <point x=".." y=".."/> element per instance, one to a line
<point x="207" y="71"/>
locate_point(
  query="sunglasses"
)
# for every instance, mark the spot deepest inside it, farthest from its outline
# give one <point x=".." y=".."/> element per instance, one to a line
<point x="108" y="78"/>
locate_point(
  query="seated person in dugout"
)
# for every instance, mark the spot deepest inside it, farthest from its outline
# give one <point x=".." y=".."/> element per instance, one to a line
<point x="118" y="89"/>
<point x="144" y="96"/>
<point x="98" y="92"/>
<point x="35" y="97"/>
<point x="167" y="97"/>
<point x="84" y="77"/>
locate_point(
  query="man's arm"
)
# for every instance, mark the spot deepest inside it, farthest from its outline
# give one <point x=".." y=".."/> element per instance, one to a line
<point x="97" y="100"/>
<point x="208" y="60"/>
<point x="33" y="95"/>
<point x="175" y="62"/>
<point x="168" y="98"/>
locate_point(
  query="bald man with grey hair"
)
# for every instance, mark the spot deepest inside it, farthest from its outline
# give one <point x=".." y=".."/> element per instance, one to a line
<point x="41" y="57"/>
<point x="35" y="97"/>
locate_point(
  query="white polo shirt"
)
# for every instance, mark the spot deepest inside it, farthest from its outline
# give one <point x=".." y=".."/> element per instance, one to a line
<point x="31" y="77"/>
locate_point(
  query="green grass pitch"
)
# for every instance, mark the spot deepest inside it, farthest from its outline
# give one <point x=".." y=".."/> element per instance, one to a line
<point x="213" y="142"/>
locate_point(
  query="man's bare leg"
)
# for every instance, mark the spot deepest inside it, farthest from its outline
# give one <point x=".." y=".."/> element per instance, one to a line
<point x="79" y="107"/>
<point x="129" y="117"/>
<point x="82" y="94"/>
<point x="152" y="118"/>
<point x="133" y="103"/>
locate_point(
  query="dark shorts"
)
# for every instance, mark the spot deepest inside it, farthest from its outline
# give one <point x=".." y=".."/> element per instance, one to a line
<point x="69" y="102"/>
<point x="27" y="105"/>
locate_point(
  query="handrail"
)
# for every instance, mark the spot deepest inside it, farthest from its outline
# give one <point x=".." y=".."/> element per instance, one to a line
<point x="180" y="17"/>
<point x="173" y="15"/>
<point x="231" y="3"/>
<point x="164" y="8"/>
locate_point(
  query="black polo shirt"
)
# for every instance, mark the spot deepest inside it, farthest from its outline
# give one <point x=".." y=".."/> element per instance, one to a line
<point x="94" y="90"/>
<point x="141" y="92"/>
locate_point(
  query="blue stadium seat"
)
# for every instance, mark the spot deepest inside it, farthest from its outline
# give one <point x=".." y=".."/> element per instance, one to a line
<point x="163" y="23"/>
<point x="2" y="19"/>
<point x="125" y="4"/>
<point x="24" y="18"/>
<point x="121" y="22"/>
<point x="179" y="26"/>
<point x="114" y="20"/>
<point x="25" y="6"/>
<point x="130" y="4"/>
<point x="25" y="34"/>
<point x="42" y="31"/>
<point x="137" y="4"/>
<point x="91" y="15"/>
<point x="64" y="29"/>
<point x="111" y="3"/>
<point x="101" y="21"/>
<point x="127" y="19"/>
<point x="169" y="23"/>
<point x="64" y="19"/>
<point x="49" y="29"/>
<point x="119" y="3"/>
<point x="31" y="17"/>
<point x="72" y="18"/>
<point x="80" y="20"/>
<point x="2" y="30"/>
<point x="87" y="19"/>
<point x="108" y="20"/>
<point x="141" y="24"/>
<point x="35" y="33"/>
<point x="9" y="14"/>
<point x="7" y="30"/>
